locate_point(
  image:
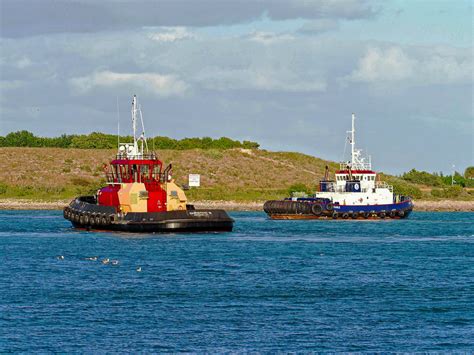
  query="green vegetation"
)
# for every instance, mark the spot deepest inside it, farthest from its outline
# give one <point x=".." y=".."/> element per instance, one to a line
<point x="299" y="189"/>
<point x="51" y="193"/>
<point x="448" y="192"/>
<point x="225" y="194"/>
<point x="439" y="180"/>
<point x="98" y="140"/>
<point x="402" y="187"/>
<point x="469" y="172"/>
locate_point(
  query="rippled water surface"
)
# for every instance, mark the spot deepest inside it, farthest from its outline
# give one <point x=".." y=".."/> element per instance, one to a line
<point x="270" y="285"/>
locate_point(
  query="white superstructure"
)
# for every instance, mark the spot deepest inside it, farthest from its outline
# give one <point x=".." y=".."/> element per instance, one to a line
<point x="356" y="183"/>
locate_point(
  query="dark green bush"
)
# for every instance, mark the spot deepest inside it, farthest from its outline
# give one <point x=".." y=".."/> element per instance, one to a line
<point x="448" y="192"/>
<point x="299" y="188"/>
<point x="97" y="140"/>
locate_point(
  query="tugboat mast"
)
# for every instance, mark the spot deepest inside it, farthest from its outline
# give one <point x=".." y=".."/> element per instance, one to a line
<point x="134" y="125"/>
<point x="353" y="139"/>
<point x="135" y="150"/>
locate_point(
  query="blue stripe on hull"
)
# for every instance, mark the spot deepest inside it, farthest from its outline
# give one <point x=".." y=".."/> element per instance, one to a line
<point x="377" y="208"/>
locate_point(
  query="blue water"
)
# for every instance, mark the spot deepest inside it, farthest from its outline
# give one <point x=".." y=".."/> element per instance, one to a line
<point x="405" y="285"/>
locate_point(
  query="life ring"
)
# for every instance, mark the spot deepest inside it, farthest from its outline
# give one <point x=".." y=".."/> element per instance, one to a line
<point x="330" y="206"/>
<point x="316" y="209"/>
<point x="345" y="215"/>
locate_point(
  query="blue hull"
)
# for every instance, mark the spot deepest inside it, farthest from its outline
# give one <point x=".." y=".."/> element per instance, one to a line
<point x="314" y="208"/>
<point x="406" y="206"/>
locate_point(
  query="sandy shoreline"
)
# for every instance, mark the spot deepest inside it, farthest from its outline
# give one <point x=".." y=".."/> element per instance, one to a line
<point x="22" y="204"/>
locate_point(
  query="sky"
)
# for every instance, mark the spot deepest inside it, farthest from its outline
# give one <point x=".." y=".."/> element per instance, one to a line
<point x="287" y="74"/>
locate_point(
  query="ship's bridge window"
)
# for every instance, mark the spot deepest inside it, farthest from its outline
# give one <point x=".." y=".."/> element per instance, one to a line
<point x="145" y="173"/>
<point x="156" y="172"/>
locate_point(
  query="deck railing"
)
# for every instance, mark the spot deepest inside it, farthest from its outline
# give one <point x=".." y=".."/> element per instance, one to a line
<point x="383" y="185"/>
<point x="355" y="166"/>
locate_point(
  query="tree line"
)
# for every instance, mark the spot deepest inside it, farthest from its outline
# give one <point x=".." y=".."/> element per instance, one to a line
<point x="97" y="140"/>
<point x="440" y="180"/>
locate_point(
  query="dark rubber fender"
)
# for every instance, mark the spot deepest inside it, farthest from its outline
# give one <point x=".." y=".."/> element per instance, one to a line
<point x="316" y="209"/>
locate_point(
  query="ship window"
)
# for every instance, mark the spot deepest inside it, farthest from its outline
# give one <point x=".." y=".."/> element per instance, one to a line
<point x="144" y="172"/>
<point x="157" y="172"/>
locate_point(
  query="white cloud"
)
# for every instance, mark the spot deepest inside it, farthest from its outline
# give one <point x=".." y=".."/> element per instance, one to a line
<point x="264" y="79"/>
<point x="384" y="65"/>
<point x="171" y="34"/>
<point x="11" y="84"/>
<point x="413" y="66"/>
<point x="270" y="37"/>
<point x="161" y="85"/>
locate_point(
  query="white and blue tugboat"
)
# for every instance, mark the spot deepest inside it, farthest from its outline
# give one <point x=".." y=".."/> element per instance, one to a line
<point x="356" y="193"/>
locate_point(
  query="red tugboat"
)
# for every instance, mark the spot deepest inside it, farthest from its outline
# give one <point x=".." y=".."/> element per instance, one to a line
<point x="141" y="196"/>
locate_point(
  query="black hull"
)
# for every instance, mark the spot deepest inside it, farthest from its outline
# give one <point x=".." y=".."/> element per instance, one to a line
<point x="306" y="210"/>
<point x="91" y="216"/>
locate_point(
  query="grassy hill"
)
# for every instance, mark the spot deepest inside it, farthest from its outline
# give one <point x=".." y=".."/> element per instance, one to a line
<point x="232" y="174"/>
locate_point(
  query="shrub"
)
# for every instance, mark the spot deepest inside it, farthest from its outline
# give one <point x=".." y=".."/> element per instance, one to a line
<point x="78" y="181"/>
<point x="97" y="140"/>
<point x="422" y="177"/>
<point x="448" y="192"/>
<point x="299" y="188"/>
<point x="407" y="190"/>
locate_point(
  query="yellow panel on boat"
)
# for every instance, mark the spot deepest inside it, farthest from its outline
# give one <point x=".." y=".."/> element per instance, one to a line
<point x="129" y="197"/>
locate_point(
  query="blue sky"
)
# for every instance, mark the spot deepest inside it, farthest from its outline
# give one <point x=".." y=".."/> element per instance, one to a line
<point x="287" y="74"/>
